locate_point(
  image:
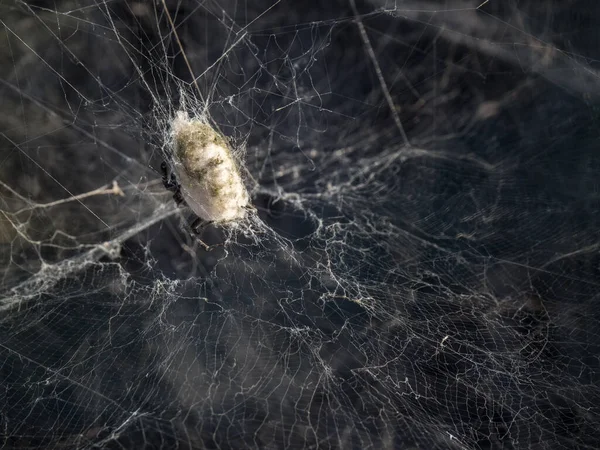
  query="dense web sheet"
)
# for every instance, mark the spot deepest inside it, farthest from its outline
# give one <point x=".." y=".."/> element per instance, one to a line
<point x="422" y="268"/>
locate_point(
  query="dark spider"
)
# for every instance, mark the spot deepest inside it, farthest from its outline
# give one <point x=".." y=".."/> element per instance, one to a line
<point x="171" y="184"/>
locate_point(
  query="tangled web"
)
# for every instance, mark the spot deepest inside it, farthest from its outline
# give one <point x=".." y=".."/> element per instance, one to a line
<point x="422" y="268"/>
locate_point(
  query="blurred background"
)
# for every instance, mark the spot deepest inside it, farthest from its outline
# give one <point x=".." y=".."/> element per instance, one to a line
<point x="423" y="268"/>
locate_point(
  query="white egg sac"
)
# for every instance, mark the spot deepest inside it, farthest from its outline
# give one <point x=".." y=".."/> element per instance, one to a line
<point x="210" y="179"/>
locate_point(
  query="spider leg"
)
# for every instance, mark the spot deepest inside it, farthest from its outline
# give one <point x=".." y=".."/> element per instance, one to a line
<point x="197" y="226"/>
<point x="171" y="184"/>
<point x="178" y="196"/>
<point x="165" y="175"/>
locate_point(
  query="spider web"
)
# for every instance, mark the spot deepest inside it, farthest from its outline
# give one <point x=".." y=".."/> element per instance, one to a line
<point x="422" y="269"/>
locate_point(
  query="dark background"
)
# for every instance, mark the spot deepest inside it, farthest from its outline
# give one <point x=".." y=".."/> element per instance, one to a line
<point x="432" y="285"/>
